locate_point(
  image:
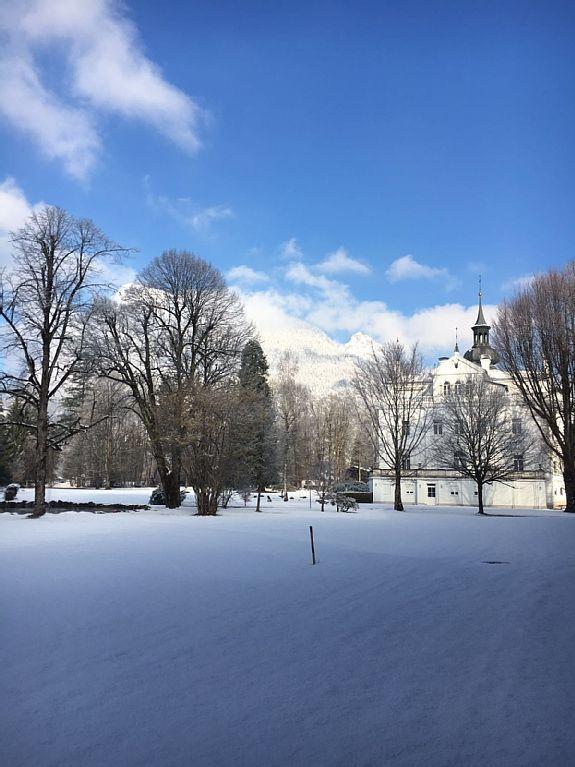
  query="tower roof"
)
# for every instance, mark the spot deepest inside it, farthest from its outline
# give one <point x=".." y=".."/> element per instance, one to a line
<point x="481" y="346"/>
<point x="480" y="321"/>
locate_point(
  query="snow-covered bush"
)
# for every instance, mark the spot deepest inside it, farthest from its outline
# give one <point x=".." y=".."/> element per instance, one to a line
<point x="11" y="491"/>
<point x="158" y="497"/>
<point x="345" y="503"/>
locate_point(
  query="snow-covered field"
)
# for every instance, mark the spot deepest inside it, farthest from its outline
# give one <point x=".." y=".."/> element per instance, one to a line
<point x="164" y="639"/>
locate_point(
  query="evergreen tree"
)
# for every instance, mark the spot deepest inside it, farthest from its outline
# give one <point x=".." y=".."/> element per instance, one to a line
<point x="256" y="433"/>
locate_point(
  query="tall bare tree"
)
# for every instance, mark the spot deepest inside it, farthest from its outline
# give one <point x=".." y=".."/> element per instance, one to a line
<point x="332" y="439"/>
<point x="292" y="401"/>
<point x="480" y="439"/>
<point x="392" y="389"/>
<point x="178" y="328"/>
<point x="535" y="336"/>
<point x="44" y="306"/>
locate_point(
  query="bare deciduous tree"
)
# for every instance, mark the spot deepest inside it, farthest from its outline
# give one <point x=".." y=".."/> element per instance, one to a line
<point x="113" y="452"/>
<point x="332" y="435"/>
<point x="478" y="436"/>
<point x="210" y="455"/>
<point x="45" y="305"/>
<point x="177" y="329"/>
<point x="292" y="401"/>
<point x="392" y="389"/>
<point x="535" y="337"/>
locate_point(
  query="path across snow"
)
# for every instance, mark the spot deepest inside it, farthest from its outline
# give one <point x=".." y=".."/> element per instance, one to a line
<point x="167" y="640"/>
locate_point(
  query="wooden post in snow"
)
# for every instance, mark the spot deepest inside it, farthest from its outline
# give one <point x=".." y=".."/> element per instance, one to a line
<point x="312" y="545"/>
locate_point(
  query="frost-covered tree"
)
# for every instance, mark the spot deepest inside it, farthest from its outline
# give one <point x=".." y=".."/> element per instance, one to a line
<point x="45" y="307"/>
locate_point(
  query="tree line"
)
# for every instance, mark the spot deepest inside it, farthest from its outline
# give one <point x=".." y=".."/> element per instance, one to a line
<point x="168" y="382"/>
<point x="165" y="381"/>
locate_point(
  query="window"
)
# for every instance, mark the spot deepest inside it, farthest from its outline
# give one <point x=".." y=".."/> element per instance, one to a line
<point x="447" y="388"/>
<point x="406" y="427"/>
<point x="437" y="427"/>
<point x="459" y="459"/>
<point x="406" y="462"/>
<point x="518" y="463"/>
<point x="516" y="426"/>
<point x="431" y="491"/>
<point x="458" y="388"/>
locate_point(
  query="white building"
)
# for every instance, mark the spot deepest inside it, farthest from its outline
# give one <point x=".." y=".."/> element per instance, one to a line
<point x="539" y="485"/>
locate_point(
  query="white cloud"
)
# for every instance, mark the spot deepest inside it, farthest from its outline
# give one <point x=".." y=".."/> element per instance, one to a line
<point x="116" y="275"/>
<point x="244" y="273"/>
<point x="290" y="250"/>
<point x="108" y="72"/>
<point x="407" y="268"/>
<point x="62" y="132"/>
<point x="332" y="289"/>
<point x="185" y="211"/>
<point x="203" y="219"/>
<point x="518" y="283"/>
<point x="328" y="304"/>
<point x="338" y="262"/>
<point x="14" y="210"/>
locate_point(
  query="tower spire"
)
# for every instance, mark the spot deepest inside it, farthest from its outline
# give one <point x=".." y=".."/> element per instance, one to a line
<point x="481" y="346"/>
<point x="456" y="341"/>
<point x="480" y="321"/>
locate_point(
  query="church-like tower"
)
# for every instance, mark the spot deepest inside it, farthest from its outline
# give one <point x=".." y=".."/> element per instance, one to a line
<point x="481" y="346"/>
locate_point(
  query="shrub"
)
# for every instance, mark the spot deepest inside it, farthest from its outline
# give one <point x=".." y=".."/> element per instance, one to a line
<point x="158" y="497"/>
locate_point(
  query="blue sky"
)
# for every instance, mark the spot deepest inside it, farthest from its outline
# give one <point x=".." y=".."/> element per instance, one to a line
<point x="365" y="160"/>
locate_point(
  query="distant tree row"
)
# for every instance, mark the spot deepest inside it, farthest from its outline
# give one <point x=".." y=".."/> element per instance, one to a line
<point x="165" y="380"/>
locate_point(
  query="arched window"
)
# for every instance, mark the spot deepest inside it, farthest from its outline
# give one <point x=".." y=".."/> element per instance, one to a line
<point x="447" y="388"/>
<point x="458" y="388"/>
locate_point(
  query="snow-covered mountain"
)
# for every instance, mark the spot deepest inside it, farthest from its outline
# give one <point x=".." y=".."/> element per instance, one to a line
<point x="324" y="365"/>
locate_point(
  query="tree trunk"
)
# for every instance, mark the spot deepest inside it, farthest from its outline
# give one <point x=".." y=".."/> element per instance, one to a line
<point x="169" y="478"/>
<point x="569" y="482"/>
<point x="206" y="502"/>
<point x="398" y="505"/>
<point x="41" y="467"/>
<point x="285" y="492"/>
<point x="480" y="497"/>
<point x="171" y="486"/>
<point x="259" y="499"/>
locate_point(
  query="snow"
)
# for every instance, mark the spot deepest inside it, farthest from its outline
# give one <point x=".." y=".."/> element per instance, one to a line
<point x="323" y="364"/>
<point x="165" y="639"/>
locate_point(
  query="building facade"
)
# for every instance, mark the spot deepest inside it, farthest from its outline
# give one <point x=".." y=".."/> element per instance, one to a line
<point x="535" y="483"/>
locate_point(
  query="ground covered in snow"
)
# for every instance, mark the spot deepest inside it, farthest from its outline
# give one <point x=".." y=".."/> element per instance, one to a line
<point x="164" y="639"/>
